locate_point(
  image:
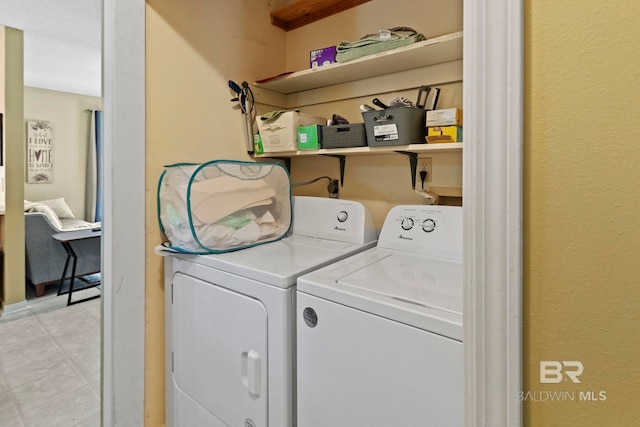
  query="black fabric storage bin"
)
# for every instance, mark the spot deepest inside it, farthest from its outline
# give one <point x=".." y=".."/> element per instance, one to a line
<point x="344" y="136"/>
<point x="395" y="126"/>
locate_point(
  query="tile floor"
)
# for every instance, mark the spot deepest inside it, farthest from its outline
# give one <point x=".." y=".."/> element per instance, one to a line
<point x="50" y="363"/>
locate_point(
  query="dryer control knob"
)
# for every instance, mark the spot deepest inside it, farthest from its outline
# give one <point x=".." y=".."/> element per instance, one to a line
<point x="407" y="224"/>
<point x="429" y="225"/>
<point x="342" y="216"/>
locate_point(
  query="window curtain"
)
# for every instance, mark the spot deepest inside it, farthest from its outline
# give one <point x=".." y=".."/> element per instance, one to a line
<point x="94" y="188"/>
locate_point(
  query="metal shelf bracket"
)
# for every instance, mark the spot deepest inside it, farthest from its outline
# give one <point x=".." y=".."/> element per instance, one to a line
<point x="343" y="161"/>
<point x="413" y="164"/>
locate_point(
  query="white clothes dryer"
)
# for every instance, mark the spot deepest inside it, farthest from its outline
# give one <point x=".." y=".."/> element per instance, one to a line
<point x="230" y="318"/>
<point x="379" y="338"/>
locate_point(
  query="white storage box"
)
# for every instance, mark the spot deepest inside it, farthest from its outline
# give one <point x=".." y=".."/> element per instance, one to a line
<point x="444" y="117"/>
<point x="281" y="133"/>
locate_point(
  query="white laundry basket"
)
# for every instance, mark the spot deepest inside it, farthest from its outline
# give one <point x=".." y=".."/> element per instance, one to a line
<point x="223" y="205"/>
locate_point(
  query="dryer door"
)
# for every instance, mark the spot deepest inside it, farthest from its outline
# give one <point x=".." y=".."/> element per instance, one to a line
<point x="219" y="355"/>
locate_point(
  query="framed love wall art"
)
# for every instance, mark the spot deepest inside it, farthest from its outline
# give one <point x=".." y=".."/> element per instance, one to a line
<point x="39" y="152"/>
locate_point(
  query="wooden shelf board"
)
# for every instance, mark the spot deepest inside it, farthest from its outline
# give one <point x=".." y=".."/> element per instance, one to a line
<point x="304" y="12"/>
<point x="388" y="149"/>
<point x="433" y="51"/>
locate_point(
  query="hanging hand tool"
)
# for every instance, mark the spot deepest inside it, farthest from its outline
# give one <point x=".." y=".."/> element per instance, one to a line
<point x="423" y="91"/>
<point x="379" y="103"/>
<point x="432" y="99"/>
<point x="244" y="96"/>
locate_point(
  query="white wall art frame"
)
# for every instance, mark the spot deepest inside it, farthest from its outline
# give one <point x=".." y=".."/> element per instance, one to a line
<point x="39" y="152"/>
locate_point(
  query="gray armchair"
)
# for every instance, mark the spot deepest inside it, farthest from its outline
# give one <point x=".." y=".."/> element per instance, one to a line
<point x="45" y="257"/>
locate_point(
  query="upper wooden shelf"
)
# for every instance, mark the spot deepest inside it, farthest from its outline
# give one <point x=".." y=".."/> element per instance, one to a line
<point x="304" y="12"/>
<point x="422" y="54"/>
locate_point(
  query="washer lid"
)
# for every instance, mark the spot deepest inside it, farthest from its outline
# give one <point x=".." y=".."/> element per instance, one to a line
<point x="427" y="282"/>
<point x="417" y="290"/>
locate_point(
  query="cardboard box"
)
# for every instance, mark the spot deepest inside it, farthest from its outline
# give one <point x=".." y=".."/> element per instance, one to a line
<point x="281" y="133"/>
<point x="309" y="137"/>
<point x="395" y="126"/>
<point x="324" y="56"/>
<point x="441" y="134"/>
<point x="344" y="136"/>
<point x="444" y="117"/>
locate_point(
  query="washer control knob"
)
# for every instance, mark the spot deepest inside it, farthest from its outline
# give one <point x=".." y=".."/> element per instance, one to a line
<point x="407" y="224"/>
<point x="429" y="225"/>
<point x="342" y="216"/>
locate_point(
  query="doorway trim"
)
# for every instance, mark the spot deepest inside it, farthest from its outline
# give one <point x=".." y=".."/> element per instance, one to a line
<point x="123" y="301"/>
<point x="492" y="194"/>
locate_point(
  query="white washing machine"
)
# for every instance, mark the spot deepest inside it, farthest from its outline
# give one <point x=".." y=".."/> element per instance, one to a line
<point x="379" y="338"/>
<point x="230" y="318"/>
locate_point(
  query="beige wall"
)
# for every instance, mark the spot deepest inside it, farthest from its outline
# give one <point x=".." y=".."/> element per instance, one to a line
<point x="71" y="127"/>
<point x="385" y="181"/>
<point x="2" y="84"/>
<point x="193" y="49"/>
<point x="582" y="240"/>
<point x="71" y="130"/>
<point x="367" y="18"/>
<point x="13" y="224"/>
<point x="363" y="178"/>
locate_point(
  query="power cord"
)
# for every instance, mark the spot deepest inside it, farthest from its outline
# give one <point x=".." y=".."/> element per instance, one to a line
<point x="333" y="188"/>
<point x="423" y="177"/>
